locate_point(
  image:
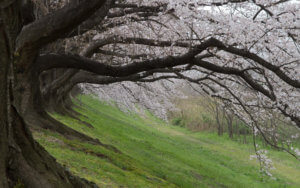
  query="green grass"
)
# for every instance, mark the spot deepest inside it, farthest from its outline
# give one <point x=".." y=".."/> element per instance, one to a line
<point x="155" y="154"/>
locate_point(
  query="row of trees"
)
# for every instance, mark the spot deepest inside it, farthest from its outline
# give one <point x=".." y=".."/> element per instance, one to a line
<point x="243" y="52"/>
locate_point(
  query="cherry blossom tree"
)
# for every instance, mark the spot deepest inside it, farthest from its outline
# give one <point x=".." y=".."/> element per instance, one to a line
<point x="244" y="52"/>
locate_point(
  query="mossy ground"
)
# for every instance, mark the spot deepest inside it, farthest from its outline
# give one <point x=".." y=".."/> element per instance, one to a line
<point x="155" y="154"/>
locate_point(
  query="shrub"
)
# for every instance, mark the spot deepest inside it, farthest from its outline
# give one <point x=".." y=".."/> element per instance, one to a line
<point x="178" y="121"/>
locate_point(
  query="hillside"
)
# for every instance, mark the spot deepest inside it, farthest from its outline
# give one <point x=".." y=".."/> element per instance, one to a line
<point x="147" y="152"/>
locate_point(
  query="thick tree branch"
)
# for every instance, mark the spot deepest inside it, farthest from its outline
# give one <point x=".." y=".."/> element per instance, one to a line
<point x="52" y="26"/>
<point x="152" y="10"/>
<point x="67" y="61"/>
<point x="86" y="77"/>
<point x="95" y="20"/>
<point x="234" y="71"/>
<point x="257" y="59"/>
<point x="222" y="3"/>
<point x="214" y="43"/>
<point x="50" y="61"/>
<point x="94" y="46"/>
<point x="117" y="54"/>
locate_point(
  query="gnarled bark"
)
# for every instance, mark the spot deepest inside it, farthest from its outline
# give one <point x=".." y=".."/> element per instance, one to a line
<point x="22" y="160"/>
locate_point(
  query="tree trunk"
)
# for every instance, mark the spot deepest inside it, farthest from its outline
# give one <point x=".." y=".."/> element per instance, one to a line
<point x="237" y="132"/>
<point x="4" y="125"/>
<point x="220" y="127"/>
<point x="22" y="159"/>
<point x="229" y="125"/>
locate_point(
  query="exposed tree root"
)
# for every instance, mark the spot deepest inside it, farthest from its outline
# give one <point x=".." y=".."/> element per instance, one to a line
<point x="29" y="164"/>
<point x="45" y="121"/>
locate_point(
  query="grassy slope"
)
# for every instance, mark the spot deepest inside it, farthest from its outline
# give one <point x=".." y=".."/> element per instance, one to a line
<point x="154" y="154"/>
